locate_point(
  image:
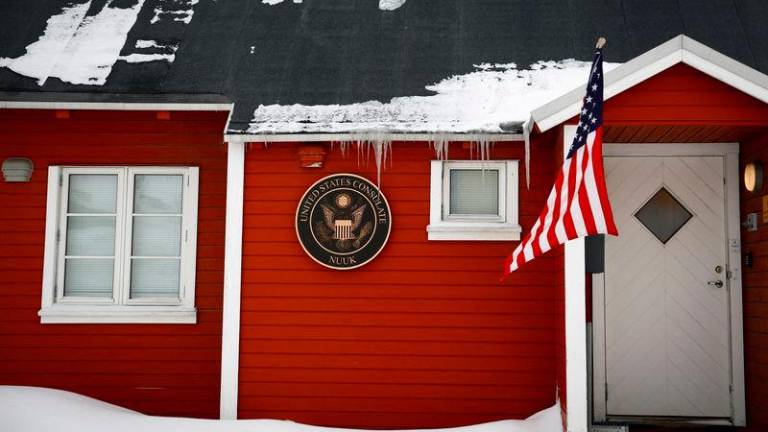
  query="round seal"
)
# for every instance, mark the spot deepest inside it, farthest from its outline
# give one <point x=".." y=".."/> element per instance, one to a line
<point x="343" y="221"/>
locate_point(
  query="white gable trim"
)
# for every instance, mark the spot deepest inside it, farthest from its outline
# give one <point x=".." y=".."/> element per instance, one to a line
<point x="233" y="258"/>
<point x="680" y="49"/>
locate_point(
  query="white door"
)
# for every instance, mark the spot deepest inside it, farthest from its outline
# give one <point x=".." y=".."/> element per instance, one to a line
<point x="666" y="320"/>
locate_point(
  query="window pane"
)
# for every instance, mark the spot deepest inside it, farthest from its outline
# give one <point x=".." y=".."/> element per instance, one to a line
<point x="92" y="193"/>
<point x="85" y="277"/>
<point x="154" y="277"/>
<point x="157" y="235"/>
<point x="663" y="215"/>
<point x="474" y="192"/>
<point x="157" y="193"/>
<point x="91" y="235"/>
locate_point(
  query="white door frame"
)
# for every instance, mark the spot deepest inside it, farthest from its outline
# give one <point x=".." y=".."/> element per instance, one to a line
<point x="730" y="151"/>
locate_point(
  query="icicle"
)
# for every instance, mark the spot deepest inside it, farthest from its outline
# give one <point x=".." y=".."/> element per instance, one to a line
<point x="344" y="147"/>
<point x="441" y="145"/>
<point x="527" y="128"/>
<point x="378" y="143"/>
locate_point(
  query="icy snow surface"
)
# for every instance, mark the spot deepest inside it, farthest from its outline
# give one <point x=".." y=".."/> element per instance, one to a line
<point x="389" y="5"/>
<point x="82" y="49"/>
<point x="477" y="102"/>
<point x="32" y="409"/>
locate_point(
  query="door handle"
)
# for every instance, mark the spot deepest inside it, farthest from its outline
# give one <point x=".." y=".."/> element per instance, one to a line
<point x="715" y="283"/>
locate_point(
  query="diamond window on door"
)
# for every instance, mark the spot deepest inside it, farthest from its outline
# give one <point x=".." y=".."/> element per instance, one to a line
<point x="663" y="215"/>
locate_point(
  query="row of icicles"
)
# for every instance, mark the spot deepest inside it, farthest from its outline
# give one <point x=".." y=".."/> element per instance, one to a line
<point x="380" y="147"/>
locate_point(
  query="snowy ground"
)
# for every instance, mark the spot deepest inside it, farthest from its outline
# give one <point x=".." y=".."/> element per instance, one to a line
<point x="32" y="409"/>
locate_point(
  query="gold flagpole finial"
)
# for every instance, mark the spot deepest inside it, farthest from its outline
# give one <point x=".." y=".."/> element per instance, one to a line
<point x="600" y="43"/>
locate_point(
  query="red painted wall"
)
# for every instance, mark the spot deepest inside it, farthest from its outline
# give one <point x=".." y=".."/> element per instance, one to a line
<point x="423" y="336"/>
<point x="755" y="293"/>
<point x="155" y="368"/>
<point x="682" y="95"/>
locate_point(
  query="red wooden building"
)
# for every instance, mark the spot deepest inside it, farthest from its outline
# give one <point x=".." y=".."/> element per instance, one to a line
<point x="150" y="255"/>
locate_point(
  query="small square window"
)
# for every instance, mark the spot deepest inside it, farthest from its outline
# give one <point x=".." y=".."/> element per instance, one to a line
<point x="474" y="200"/>
<point x="473" y="192"/>
<point x="120" y="245"/>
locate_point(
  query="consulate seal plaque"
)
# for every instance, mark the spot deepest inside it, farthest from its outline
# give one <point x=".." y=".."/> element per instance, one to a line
<point x="343" y="221"/>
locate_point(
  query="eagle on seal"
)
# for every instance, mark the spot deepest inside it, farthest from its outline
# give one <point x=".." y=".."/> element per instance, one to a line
<point x="341" y="227"/>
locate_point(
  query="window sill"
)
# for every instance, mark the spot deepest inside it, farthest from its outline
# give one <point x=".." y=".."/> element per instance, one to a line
<point x="474" y="231"/>
<point x="82" y="314"/>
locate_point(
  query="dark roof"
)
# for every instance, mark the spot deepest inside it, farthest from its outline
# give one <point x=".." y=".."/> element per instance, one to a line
<point x="345" y="51"/>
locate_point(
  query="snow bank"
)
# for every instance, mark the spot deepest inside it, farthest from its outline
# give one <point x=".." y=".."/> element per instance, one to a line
<point x="31" y="409"/>
<point x="477" y="102"/>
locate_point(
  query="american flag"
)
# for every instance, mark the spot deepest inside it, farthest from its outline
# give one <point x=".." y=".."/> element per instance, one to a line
<point x="578" y="203"/>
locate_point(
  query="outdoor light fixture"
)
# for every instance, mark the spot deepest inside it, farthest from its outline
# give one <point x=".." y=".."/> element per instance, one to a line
<point x="753" y="176"/>
<point x="311" y="156"/>
<point x="17" y="169"/>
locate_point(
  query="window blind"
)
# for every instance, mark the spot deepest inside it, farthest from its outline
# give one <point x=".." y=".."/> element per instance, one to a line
<point x="474" y="192"/>
<point x="89" y="259"/>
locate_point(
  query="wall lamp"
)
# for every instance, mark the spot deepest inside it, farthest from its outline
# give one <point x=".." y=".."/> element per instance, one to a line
<point x="17" y="169"/>
<point x="753" y="177"/>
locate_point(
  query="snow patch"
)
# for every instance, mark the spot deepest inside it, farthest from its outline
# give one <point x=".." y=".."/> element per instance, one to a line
<point x="30" y="409"/>
<point x="150" y="48"/>
<point x="388" y="5"/>
<point x="274" y="2"/>
<point x="143" y="58"/>
<point x="77" y="48"/>
<point x="146" y="43"/>
<point x="483" y="101"/>
<point x="178" y="10"/>
<point x="385" y="5"/>
<point x="41" y="56"/>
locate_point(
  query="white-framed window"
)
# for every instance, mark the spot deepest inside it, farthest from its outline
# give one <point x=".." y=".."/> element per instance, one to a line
<point x="473" y="200"/>
<point x="120" y="245"/>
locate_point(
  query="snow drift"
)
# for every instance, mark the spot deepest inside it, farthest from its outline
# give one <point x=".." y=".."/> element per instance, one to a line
<point x="32" y="409"/>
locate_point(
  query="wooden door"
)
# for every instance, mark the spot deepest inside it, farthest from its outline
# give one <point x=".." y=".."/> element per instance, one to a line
<point x="666" y="300"/>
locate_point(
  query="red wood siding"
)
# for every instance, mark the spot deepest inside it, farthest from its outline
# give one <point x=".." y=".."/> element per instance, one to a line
<point x="423" y="336"/>
<point x="756" y="295"/>
<point x="156" y="369"/>
<point x="682" y="96"/>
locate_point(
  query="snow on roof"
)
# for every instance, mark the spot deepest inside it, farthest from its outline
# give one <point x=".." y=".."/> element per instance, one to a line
<point x="483" y="101"/>
<point x="32" y="409"/>
<point x="385" y="5"/>
<point x="81" y="47"/>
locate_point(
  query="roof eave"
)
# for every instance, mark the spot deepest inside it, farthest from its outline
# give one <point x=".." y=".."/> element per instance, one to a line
<point x="114" y="101"/>
<point x="356" y="136"/>
<point x="680" y="49"/>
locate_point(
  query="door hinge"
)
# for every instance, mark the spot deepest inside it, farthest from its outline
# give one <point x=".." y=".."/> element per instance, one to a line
<point x="606" y="391"/>
<point x="58" y="235"/>
<point x="61" y="180"/>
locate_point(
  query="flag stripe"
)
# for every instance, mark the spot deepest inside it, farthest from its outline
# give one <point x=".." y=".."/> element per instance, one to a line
<point x="577" y="205"/>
